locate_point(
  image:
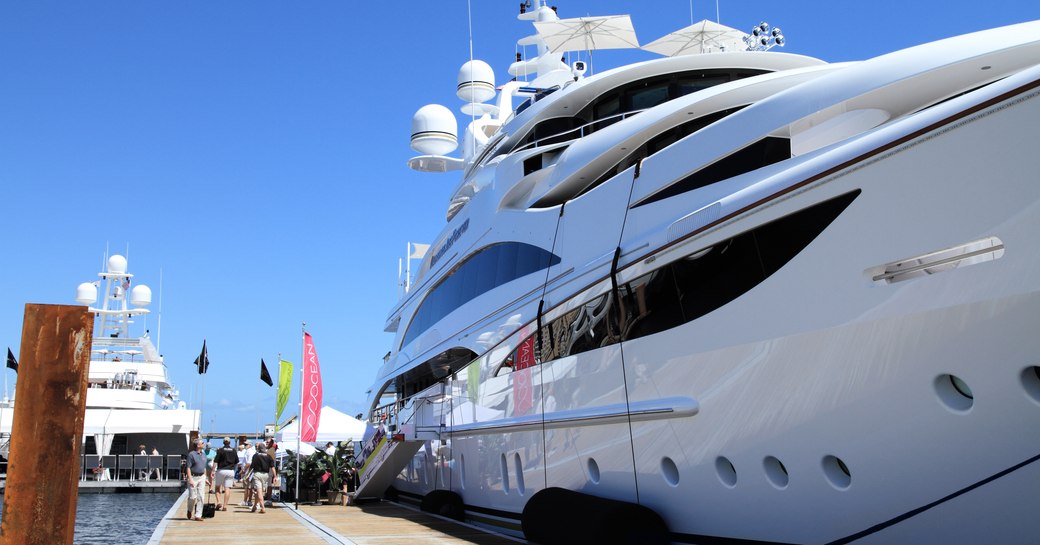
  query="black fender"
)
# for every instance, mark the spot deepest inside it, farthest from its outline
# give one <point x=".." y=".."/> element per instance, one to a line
<point x="561" y="516"/>
<point x="444" y="503"/>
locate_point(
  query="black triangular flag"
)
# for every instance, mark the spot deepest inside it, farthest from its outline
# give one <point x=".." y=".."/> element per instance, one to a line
<point x="11" y="362"/>
<point x="264" y="375"/>
<point x="202" y="362"/>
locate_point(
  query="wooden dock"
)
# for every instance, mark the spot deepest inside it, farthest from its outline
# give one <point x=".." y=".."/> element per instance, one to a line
<point x="380" y="523"/>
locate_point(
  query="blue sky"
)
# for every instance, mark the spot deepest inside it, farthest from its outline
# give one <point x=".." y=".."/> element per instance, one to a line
<point x="254" y="152"/>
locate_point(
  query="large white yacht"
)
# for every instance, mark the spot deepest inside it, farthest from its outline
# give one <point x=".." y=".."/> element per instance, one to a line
<point x="736" y="296"/>
<point x="130" y="400"/>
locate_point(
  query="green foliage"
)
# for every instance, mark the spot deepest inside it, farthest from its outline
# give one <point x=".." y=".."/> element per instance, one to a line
<point x="314" y="466"/>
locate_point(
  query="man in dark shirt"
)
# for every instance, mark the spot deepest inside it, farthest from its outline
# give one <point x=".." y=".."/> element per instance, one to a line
<point x="263" y="473"/>
<point x="226" y="459"/>
<point x="196" y="477"/>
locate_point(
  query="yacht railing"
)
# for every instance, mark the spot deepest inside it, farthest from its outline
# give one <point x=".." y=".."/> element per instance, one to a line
<point x="581" y="131"/>
<point x="130" y="467"/>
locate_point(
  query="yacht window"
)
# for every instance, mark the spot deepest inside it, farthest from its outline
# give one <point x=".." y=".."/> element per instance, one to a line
<point x="681" y="291"/>
<point x="697" y="82"/>
<point x="631" y="97"/>
<point x="762" y="153"/>
<point x="689" y="288"/>
<point x="432" y="371"/>
<point x="485" y="270"/>
<point x="652" y="146"/>
<point x="648" y="95"/>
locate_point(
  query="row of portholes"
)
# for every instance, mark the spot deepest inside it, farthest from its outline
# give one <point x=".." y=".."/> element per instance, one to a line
<point x="834" y="469"/>
<point x="955" y="394"/>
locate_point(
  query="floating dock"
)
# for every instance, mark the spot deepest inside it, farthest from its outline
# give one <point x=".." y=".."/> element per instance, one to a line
<point x="382" y="523"/>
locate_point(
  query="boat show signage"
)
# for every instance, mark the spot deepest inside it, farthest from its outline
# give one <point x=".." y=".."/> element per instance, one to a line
<point x="311" y="410"/>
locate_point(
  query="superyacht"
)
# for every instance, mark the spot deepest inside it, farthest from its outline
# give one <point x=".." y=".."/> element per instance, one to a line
<point x="731" y="295"/>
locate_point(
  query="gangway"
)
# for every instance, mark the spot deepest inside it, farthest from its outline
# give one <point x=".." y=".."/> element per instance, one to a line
<point x="408" y="425"/>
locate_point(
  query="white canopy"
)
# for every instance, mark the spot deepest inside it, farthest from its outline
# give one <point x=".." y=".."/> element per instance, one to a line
<point x="332" y="426"/>
<point x="702" y="37"/>
<point x="588" y="33"/>
<point x="106" y="421"/>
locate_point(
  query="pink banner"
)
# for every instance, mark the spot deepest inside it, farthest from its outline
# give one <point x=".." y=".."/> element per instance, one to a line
<point x="311" y="392"/>
<point x="522" y="398"/>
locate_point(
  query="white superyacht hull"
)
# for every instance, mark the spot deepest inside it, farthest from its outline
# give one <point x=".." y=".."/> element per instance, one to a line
<point x="843" y="398"/>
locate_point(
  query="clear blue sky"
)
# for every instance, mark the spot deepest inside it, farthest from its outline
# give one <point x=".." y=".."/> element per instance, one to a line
<point x="254" y="151"/>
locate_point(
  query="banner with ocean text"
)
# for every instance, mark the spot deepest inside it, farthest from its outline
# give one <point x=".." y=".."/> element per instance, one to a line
<point x="311" y="411"/>
<point x="285" y="370"/>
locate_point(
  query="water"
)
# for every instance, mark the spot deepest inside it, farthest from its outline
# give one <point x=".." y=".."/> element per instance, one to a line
<point x="103" y="519"/>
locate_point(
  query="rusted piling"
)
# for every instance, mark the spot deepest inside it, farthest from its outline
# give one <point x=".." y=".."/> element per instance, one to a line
<point x="40" y="494"/>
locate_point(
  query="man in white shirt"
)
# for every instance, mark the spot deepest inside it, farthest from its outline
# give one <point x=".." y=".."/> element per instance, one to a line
<point x="245" y="456"/>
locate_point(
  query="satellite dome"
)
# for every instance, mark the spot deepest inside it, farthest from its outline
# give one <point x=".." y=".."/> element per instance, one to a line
<point x="141" y="296"/>
<point x="86" y="293"/>
<point x="117" y="264"/>
<point x="476" y="82"/>
<point x="434" y="130"/>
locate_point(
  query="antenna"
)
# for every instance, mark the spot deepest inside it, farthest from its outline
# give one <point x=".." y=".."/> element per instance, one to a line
<point x="158" y="326"/>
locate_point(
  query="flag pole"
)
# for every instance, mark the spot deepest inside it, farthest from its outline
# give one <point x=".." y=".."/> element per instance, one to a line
<point x="303" y="331"/>
<point x="276" y="393"/>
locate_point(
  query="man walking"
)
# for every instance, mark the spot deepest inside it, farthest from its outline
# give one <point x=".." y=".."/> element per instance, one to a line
<point x="263" y="474"/>
<point x="196" y="477"/>
<point x="226" y="459"/>
<point x="247" y="474"/>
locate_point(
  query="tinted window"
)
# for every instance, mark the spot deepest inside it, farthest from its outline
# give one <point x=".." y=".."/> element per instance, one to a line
<point x="765" y="152"/>
<point x="686" y="289"/>
<point x="652" y="146"/>
<point x="480" y="273"/>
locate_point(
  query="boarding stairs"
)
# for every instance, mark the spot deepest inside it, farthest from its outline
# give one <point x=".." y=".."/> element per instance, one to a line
<point x="404" y="427"/>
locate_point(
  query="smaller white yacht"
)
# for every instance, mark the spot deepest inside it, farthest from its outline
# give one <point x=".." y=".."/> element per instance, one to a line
<point x="130" y="400"/>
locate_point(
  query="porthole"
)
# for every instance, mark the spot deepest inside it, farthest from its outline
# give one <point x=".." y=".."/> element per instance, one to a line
<point x="669" y="471"/>
<point x="1031" y="382"/>
<point x="726" y="472"/>
<point x="593" y="470"/>
<point x="837" y="472"/>
<point x="776" y="472"/>
<point x="954" y="393"/>
<point x="505" y="474"/>
<point x="520" y="488"/>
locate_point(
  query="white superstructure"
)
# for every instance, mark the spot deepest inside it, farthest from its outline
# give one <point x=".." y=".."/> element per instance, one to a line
<point x="130" y="400"/>
<point x="761" y="297"/>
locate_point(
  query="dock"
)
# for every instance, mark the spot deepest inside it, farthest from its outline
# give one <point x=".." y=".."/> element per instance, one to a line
<point x="382" y="523"/>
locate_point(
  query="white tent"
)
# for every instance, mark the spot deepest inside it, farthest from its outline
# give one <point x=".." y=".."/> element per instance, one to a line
<point x="332" y="426"/>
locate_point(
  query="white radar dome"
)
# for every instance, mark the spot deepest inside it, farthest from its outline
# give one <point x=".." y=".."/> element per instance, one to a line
<point x="117" y="264"/>
<point x="86" y="294"/>
<point x="476" y="82"/>
<point x="434" y="130"/>
<point x="141" y="296"/>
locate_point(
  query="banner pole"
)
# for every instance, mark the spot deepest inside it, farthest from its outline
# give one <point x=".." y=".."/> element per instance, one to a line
<point x="276" y="427"/>
<point x="303" y="331"/>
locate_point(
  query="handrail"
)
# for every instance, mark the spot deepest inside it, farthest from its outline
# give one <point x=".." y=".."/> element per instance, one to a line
<point x="582" y="133"/>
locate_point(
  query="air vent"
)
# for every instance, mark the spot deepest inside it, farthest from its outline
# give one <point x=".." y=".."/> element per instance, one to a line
<point x="689" y="223"/>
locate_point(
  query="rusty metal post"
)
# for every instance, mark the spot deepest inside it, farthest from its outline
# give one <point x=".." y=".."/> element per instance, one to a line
<point x="51" y="399"/>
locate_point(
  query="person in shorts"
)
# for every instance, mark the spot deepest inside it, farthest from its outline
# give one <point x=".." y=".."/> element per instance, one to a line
<point x="246" y="459"/>
<point x="226" y="460"/>
<point x="263" y="474"/>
